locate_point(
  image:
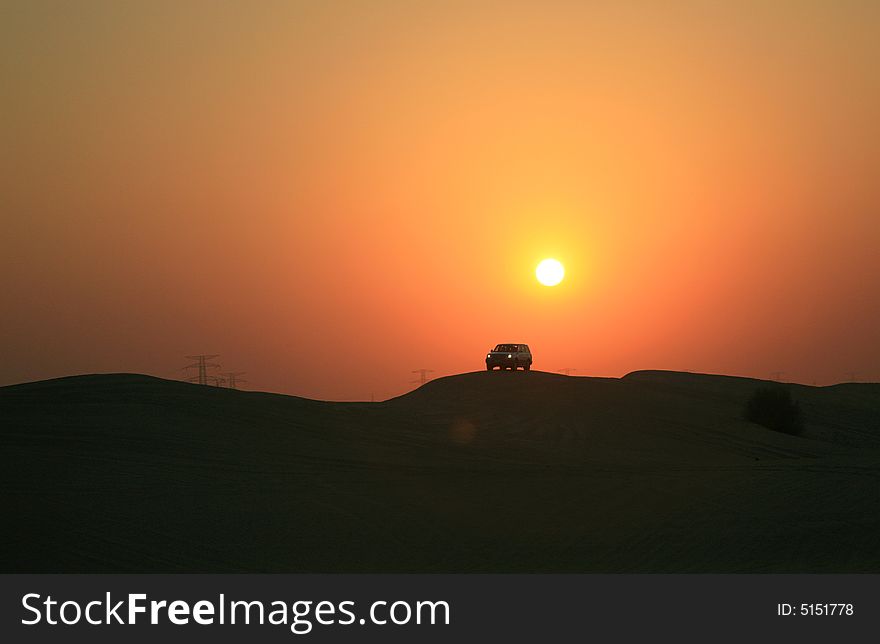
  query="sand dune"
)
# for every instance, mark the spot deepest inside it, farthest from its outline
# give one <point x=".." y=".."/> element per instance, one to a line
<point x="498" y="471"/>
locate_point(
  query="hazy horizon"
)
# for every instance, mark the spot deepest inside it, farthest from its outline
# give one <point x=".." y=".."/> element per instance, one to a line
<point x="330" y="196"/>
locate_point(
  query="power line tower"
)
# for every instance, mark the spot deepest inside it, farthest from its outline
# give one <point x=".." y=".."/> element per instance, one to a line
<point x="423" y="376"/>
<point x="776" y="375"/>
<point x="201" y="363"/>
<point x="567" y="371"/>
<point x="233" y="379"/>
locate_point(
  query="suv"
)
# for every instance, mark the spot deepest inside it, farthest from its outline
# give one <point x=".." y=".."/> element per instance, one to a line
<point x="509" y="356"/>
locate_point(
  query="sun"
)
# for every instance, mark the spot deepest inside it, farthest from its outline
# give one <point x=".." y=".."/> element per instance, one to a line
<point x="550" y="272"/>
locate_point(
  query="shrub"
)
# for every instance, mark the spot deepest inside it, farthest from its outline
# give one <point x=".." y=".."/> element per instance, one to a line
<point x="774" y="408"/>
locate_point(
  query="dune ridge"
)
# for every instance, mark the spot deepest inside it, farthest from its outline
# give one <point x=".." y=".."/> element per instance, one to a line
<point x="478" y="472"/>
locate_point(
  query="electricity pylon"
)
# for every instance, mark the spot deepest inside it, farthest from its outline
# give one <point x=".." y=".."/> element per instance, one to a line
<point x="776" y="375"/>
<point x="232" y="378"/>
<point x="567" y="371"/>
<point x="423" y="376"/>
<point x="201" y="363"/>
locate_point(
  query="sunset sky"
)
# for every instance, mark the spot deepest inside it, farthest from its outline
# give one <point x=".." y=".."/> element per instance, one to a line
<point x="332" y="194"/>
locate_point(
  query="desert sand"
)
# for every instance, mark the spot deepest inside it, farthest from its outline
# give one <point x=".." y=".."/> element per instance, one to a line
<point x="479" y="472"/>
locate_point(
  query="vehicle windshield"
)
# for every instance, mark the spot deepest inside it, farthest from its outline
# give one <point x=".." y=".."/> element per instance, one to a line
<point x="506" y="348"/>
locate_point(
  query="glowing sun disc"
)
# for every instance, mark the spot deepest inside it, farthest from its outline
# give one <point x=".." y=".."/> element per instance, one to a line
<point x="550" y="272"/>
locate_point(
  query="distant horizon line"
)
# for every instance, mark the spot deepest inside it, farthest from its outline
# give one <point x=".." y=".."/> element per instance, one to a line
<point x="557" y="373"/>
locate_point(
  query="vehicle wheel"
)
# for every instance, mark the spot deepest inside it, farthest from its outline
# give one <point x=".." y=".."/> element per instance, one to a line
<point x="527" y="367"/>
<point x="488" y="368"/>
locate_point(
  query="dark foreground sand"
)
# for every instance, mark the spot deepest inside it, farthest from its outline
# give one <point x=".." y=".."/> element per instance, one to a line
<point x="655" y="472"/>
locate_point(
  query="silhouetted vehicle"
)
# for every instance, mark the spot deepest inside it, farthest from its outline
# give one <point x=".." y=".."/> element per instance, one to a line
<point x="509" y="356"/>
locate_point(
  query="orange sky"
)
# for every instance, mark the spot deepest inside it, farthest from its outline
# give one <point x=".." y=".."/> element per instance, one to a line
<point x="332" y="194"/>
